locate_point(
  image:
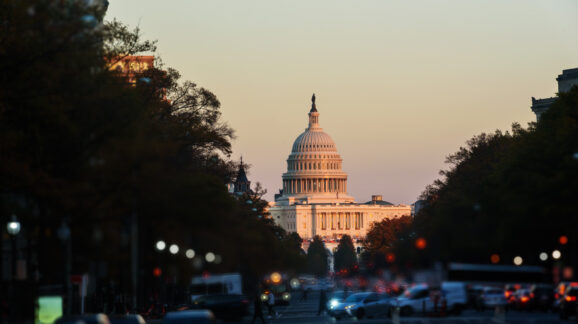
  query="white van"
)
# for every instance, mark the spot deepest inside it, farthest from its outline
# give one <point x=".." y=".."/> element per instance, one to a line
<point x="226" y="283"/>
<point x="423" y="299"/>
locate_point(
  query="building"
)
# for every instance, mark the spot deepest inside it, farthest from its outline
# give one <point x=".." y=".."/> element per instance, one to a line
<point x="242" y="184"/>
<point x="314" y="199"/>
<point x="131" y="66"/>
<point x="566" y="81"/>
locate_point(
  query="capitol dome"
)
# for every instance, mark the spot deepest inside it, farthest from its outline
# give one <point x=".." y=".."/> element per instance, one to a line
<point x="314" y="172"/>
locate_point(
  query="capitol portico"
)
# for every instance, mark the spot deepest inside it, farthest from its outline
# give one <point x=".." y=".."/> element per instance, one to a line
<point x="314" y="199"/>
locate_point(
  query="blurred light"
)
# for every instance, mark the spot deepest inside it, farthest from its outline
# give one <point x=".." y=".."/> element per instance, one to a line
<point x="477" y="207"/>
<point x="249" y="202"/>
<point x="254" y="209"/>
<point x="190" y="253"/>
<point x="157" y="272"/>
<point x="295" y="283"/>
<point x="576" y="156"/>
<point x="264" y="297"/>
<point x="286" y="296"/>
<point x="563" y="239"/>
<point x="494" y="258"/>
<point x="13" y="227"/>
<point x="518" y="260"/>
<point x="556" y="254"/>
<point x="161" y="245"/>
<point x="174" y="249"/>
<point x="259" y="216"/>
<point x="543" y="256"/>
<point x="276" y="277"/>
<point x="420" y="243"/>
<point x="218" y="259"/>
<point x="145" y="80"/>
<point x="390" y="258"/>
<point x="333" y="303"/>
<point x="31" y="11"/>
<point x="210" y="257"/>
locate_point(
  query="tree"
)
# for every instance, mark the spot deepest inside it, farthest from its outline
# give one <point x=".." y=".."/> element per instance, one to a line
<point x="345" y="257"/>
<point x="507" y="193"/>
<point x="387" y="242"/>
<point x="317" y="262"/>
<point x="83" y="147"/>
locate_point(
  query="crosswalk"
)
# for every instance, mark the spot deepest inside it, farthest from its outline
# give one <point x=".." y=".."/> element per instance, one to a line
<point x="303" y="310"/>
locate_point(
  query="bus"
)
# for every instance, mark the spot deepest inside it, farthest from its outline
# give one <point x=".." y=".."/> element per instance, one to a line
<point x="496" y="274"/>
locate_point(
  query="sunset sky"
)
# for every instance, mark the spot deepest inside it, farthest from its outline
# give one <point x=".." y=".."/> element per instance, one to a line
<point x="399" y="84"/>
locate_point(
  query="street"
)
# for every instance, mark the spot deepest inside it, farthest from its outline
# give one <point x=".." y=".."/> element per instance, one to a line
<point x="305" y="312"/>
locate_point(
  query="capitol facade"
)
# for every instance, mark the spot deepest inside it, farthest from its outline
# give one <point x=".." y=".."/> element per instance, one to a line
<point x="314" y="199"/>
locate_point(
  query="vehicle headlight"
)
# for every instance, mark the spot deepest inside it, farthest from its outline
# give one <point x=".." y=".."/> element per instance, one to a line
<point x="350" y="306"/>
<point x="333" y="303"/>
<point x="286" y="296"/>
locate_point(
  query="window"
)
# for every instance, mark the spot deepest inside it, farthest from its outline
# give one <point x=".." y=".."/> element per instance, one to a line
<point x="332" y="221"/>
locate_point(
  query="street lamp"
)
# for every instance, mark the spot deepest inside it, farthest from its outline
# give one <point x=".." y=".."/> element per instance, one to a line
<point x="556" y="254"/>
<point x="64" y="235"/>
<point x="161" y="245"/>
<point x="13" y="226"/>
<point x="174" y="249"/>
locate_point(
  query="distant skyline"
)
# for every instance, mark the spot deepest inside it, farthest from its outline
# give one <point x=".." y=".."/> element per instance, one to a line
<point x="400" y="85"/>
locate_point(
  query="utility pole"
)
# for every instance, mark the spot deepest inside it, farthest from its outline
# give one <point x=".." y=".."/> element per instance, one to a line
<point x="134" y="258"/>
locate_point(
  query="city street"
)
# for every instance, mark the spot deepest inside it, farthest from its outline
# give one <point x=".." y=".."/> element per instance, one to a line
<point x="305" y="312"/>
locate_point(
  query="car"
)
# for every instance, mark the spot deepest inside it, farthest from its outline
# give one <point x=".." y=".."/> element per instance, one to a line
<point x="522" y="299"/>
<point x="452" y="297"/>
<point x="369" y="305"/>
<point x="190" y="317"/>
<point x="510" y="294"/>
<point x="340" y="310"/>
<point x="568" y="303"/>
<point x="84" y="319"/>
<point x="474" y="294"/>
<point x="542" y="297"/>
<point x="492" y="297"/>
<point x="224" y="306"/>
<point x="335" y="299"/>
<point x="126" y="319"/>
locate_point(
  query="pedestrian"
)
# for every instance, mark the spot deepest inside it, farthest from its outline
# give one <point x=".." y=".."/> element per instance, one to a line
<point x="322" y="302"/>
<point x="271" y="303"/>
<point x="303" y="294"/>
<point x="257" y="309"/>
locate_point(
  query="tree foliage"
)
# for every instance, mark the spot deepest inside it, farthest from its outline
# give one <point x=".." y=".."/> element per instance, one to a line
<point x="508" y="193"/>
<point x="345" y="257"/>
<point x="82" y="146"/>
<point x="317" y="262"/>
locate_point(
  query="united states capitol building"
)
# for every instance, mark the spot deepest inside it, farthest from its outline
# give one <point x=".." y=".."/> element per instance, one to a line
<point x="314" y="199"/>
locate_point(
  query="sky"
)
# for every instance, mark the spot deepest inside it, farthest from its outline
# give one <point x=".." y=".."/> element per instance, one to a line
<point x="400" y="85"/>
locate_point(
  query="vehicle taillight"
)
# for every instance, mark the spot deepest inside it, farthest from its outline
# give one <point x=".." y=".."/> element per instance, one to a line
<point x="507" y="294"/>
<point x="524" y="299"/>
<point x="570" y="298"/>
<point x="531" y="295"/>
